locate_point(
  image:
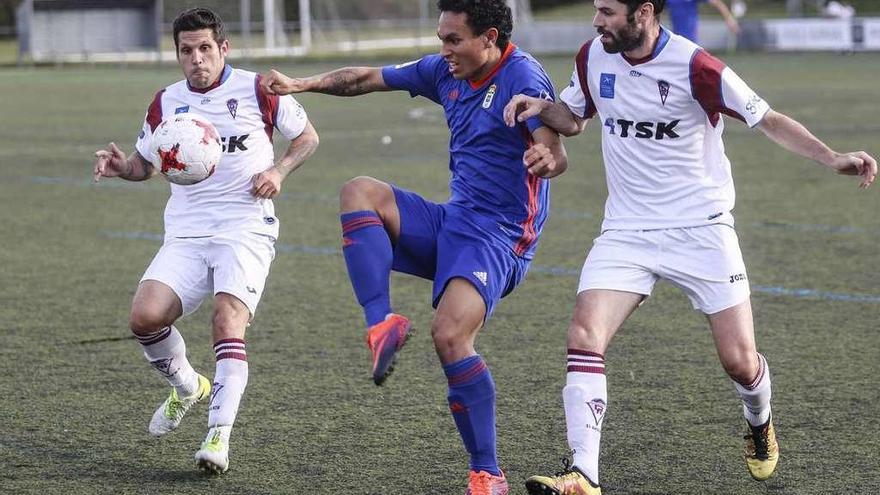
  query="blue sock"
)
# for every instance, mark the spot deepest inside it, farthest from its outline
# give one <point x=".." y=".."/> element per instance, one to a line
<point x="472" y="402"/>
<point x="368" y="255"/>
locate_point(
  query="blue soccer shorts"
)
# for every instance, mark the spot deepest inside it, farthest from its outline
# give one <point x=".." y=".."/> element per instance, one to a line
<point x="440" y="242"/>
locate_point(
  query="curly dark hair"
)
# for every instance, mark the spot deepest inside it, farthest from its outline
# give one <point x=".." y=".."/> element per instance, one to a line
<point x="632" y="5"/>
<point x="197" y="19"/>
<point x="483" y="15"/>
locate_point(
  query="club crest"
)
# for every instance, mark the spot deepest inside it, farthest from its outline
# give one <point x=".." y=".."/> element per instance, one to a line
<point x="663" y="87"/>
<point x="232" y="105"/>
<point x="597" y="407"/>
<point x="163" y="366"/>
<point x="215" y="389"/>
<point x="490" y="95"/>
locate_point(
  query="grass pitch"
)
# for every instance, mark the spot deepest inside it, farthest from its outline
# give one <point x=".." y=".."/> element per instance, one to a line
<point x="78" y="394"/>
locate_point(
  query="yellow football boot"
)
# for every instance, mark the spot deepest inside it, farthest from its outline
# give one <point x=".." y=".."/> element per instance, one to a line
<point x="762" y="450"/>
<point x="570" y="481"/>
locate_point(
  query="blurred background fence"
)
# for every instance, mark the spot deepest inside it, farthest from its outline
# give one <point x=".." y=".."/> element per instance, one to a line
<point x="64" y="31"/>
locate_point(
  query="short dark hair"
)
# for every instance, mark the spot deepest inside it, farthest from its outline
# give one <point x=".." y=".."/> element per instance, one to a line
<point x="483" y="15"/>
<point x="196" y="19"/>
<point x="632" y="5"/>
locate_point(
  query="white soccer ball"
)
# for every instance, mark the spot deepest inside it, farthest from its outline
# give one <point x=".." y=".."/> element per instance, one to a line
<point x="186" y="148"/>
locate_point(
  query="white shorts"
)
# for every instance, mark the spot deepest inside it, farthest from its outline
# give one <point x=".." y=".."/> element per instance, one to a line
<point x="195" y="268"/>
<point x="705" y="262"/>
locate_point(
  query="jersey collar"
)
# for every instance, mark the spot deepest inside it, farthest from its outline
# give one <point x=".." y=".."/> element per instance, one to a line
<point x="227" y="71"/>
<point x="662" y="40"/>
<point x="507" y="51"/>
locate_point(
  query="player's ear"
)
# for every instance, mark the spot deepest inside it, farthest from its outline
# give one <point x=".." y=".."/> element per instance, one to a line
<point x="490" y="37"/>
<point x="224" y="48"/>
<point x="646" y="11"/>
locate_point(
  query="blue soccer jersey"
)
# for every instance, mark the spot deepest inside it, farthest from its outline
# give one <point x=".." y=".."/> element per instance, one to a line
<point x="684" y="15"/>
<point x="485" y="155"/>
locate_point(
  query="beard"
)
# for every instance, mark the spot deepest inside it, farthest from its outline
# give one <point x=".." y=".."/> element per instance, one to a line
<point x="627" y="39"/>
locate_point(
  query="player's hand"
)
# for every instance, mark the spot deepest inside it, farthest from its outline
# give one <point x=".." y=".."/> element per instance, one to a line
<point x="267" y="185"/>
<point x="856" y="163"/>
<point x="276" y="83"/>
<point x="522" y="107"/>
<point x="110" y="163"/>
<point x="539" y="161"/>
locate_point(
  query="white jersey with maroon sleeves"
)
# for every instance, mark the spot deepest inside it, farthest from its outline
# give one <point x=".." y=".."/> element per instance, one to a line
<point x="245" y="117"/>
<point x="661" y="131"/>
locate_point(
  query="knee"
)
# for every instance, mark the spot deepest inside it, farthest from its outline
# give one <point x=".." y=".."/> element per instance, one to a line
<point x="362" y="193"/>
<point x="145" y="320"/>
<point x="229" y="323"/>
<point x="588" y="336"/>
<point x="742" y="367"/>
<point x="449" y="340"/>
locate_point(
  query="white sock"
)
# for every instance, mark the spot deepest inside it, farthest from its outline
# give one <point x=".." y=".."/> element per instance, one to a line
<point x="756" y="395"/>
<point x="166" y="352"/>
<point x="225" y="432"/>
<point x="586" y="398"/>
<point x="230" y="380"/>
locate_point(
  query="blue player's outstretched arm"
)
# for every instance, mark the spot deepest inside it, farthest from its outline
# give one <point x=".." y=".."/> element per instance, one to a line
<point x="347" y="81"/>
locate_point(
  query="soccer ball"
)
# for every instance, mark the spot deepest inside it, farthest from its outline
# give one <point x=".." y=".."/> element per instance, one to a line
<point x="186" y="148"/>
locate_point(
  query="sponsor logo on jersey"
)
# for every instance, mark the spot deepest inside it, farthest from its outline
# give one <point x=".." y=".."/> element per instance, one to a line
<point x="642" y="130"/>
<point x="142" y="135"/>
<point x="232" y="106"/>
<point x="482" y="277"/>
<point x="752" y="105"/>
<point x="453" y="95"/>
<point x="635" y="73"/>
<point x="233" y="143"/>
<point x="205" y="101"/>
<point x="251" y="289"/>
<point x="490" y="95"/>
<point x="182" y="109"/>
<point x="714" y="216"/>
<point x="545" y="95"/>
<point x="663" y="87"/>
<point x="269" y="220"/>
<point x="737" y="277"/>
<point x="606" y="85"/>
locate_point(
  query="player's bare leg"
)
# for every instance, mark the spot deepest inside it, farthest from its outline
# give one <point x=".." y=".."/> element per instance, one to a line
<point x="154" y="309"/>
<point x="734" y="334"/>
<point x="597" y="316"/>
<point x="229" y="321"/>
<point x="459" y="316"/>
<point x="370" y="225"/>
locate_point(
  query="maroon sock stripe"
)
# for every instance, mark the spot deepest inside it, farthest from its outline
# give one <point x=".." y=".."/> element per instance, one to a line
<point x="230" y="345"/>
<point x="467" y="374"/>
<point x="580" y="352"/>
<point x="230" y="349"/>
<point x="580" y="361"/>
<point x="232" y="355"/>
<point x="762" y="368"/>
<point x="230" y="341"/>
<point x="359" y="223"/>
<point x="154" y="338"/>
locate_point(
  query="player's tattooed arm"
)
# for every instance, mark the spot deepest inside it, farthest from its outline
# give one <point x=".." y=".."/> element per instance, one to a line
<point x="351" y="81"/>
<point x="556" y="115"/>
<point x="348" y="81"/>
<point x="140" y="168"/>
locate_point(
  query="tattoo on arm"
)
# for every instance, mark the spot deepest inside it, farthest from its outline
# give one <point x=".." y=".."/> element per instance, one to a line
<point x="343" y="82"/>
